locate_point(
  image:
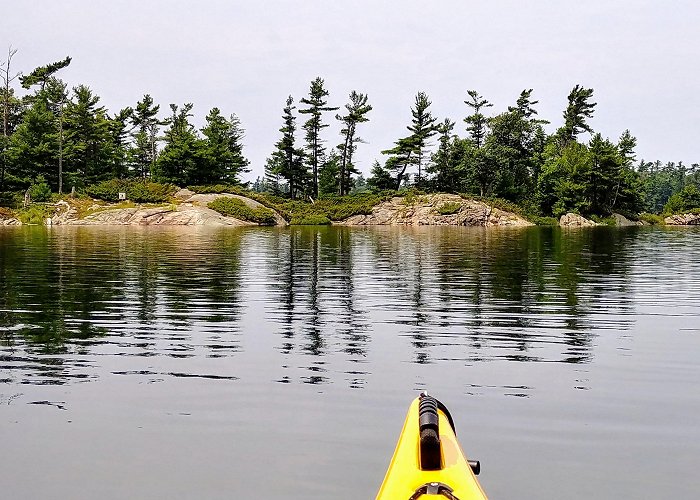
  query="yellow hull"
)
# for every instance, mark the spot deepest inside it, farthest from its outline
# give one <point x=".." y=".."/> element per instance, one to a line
<point x="406" y="479"/>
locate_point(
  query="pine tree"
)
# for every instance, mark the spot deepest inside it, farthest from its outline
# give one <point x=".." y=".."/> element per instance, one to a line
<point x="477" y="122"/>
<point x="480" y="167"/>
<point x="317" y="104"/>
<point x="222" y="151"/>
<point x="357" y="110"/>
<point x="577" y="111"/>
<point x="328" y="175"/>
<point x="380" y="178"/>
<point x="11" y="108"/>
<point x="401" y="156"/>
<point x="513" y="146"/>
<point x="87" y="137"/>
<point x="119" y="130"/>
<point x="422" y="128"/>
<point x="41" y="155"/>
<point x="42" y="75"/>
<point x="180" y="162"/>
<point x="442" y="165"/>
<point x="287" y="160"/>
<point x="146" y="129"/>
<point x="239" y="163"/>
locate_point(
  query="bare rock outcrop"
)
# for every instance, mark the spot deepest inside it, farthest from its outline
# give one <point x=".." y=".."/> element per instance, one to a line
<point x="9" y="221"/>
<point x="182" y="215"/>
<point x="622" y="221"/>
<point x="192" y="212"/>
<point x="202" y="200"/>
<point x="575" y="220"/>
<point x="425" y="211"/>
<point x="683" y="220"/>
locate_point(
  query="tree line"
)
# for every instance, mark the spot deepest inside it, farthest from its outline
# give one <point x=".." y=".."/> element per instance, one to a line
<point x="64" y="138"/>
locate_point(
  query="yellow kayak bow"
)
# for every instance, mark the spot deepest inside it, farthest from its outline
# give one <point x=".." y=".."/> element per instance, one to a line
<point x="428" y="461"/>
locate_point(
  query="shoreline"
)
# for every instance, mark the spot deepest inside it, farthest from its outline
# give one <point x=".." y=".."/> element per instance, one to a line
<point x="193" y="209"/>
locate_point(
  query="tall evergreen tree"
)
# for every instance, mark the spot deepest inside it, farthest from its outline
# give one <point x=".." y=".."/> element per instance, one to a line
<point x="180" y="161"/>
<point x="356" y="113"/>
<point x="119" y="130"/>
<point x="422" y="128"/>
<point x="478" y="166"/>
<point x="287" y="160"/>
<point x="578" y="110"/>
<point x="328" y="174"/>
<point x="11" y="109"/>
<point x="87" y="138"/>
<point x="514" y="146"/>
<point x="317" y="105"/>
<point x="401" y="156"/>
<point x="42" y="75"/>
<point x="380" y="178"/>
<point x="477" y="121"/>
<point x="44" y="155"/>
<point x="443" y="165"/>
<point x="222" y="150"/>
<point x="239" y="163"/>
<point x="146" y="129"/>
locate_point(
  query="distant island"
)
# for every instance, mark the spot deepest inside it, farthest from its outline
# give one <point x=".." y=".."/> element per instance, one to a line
<point x="60" y="146"/>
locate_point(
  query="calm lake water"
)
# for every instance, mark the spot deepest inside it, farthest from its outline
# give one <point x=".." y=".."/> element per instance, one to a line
<point x="279" y="363"/>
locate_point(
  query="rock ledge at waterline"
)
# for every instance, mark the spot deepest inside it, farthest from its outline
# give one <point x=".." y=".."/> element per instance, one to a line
<point x="424" y="211"/>
<point x="683" y="220"/>
<point x="192" y="211"/>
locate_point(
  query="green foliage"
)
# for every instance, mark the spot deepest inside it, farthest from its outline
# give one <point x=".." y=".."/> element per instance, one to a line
<point x="357" y="110"/>
<point x="310" y="220"/>
<point x="684" y="201"/>
<point x="499" y="203"/>
<point x="578" y="110"/>
<point x="88" y="147"/>
<point x="35" y="214"/>
<point x="287" y="161"/>
<point x="449" y="208"/>
<point x="506" y="155"/>
<point x="215" y="188"/>
<point x="221" y="152"/>
<point x="653" y="219"/>
<point x="604" y="221"/>
<point x="182" y="157"/>
<point x="40" y="190"/>
<point x="543" y="221"/>
<point x="136" y="190"/>
<point x="317" y="105"/>
<point x="233" y="207"/>
<point x="334" y="208"/>
<point x="146" y="128"/>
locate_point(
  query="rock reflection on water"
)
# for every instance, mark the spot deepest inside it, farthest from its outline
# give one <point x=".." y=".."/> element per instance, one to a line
<point x="454" y="294"/>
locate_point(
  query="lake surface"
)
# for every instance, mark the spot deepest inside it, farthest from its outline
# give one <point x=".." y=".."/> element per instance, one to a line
<point x="279" y="363"/>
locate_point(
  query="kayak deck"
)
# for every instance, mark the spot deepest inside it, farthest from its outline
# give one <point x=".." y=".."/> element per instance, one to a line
<point x="453" y="477"/>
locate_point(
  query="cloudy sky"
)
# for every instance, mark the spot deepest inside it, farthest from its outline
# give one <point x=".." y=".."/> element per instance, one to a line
<point x="640" y="56"/>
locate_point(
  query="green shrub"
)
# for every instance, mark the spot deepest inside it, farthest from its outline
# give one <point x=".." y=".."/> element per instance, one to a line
<point x="684" y="201"/>
<point x="150" y="192"/>
<point x="216" y="188"/>
<point x="35" y="214"/>
<point x="135" y="189"/>
<point x="310" y="220"/>
<point x="40" y="190"/>
<point x="604" y="221"/>
<point x="543" y="221"/>
<point x="233" y="207"/>
<point x="449" y="208"/>
<point x="653" y="219"/>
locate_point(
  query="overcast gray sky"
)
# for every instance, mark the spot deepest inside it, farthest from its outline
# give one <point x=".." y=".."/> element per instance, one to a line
<point x="641" y="57"/>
